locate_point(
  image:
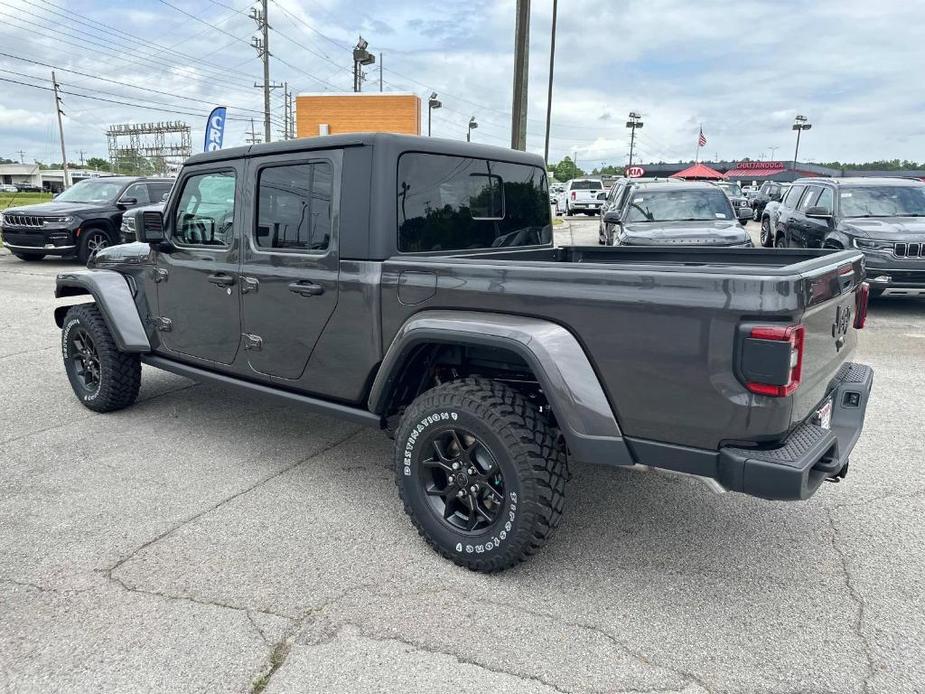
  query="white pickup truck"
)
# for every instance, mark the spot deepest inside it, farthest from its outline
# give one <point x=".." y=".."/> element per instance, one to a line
<point x="580" y="195"/>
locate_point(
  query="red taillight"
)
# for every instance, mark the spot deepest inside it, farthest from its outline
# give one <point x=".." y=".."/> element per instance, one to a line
<point x="793" y="334"/>
<point x="573" y="195"/>
<point x="860" y="304"/>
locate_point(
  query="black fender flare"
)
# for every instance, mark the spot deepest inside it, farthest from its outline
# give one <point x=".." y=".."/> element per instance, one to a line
<point x="571" y="386"/>
<point x="113" y="297"/>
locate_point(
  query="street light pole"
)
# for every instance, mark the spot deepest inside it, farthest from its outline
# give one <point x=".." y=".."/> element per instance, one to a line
<point x="472" y="126"/>
<point x="552" y="64"/>
<point x="432" y="103"/>
<point x="521" y="72"/>
<point x="800" y="124"/>
<point x="633" y="123"/>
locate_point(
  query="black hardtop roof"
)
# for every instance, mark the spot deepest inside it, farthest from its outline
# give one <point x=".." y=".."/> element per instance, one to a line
<point x="862" y="181"/>
<point x="397" y="143"/>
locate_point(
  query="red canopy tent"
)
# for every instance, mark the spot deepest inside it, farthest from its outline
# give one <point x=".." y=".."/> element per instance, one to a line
<point x="699" y="172"/>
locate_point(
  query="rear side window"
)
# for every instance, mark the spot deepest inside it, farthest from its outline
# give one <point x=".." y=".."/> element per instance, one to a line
<point x="448" y="203"/>
<point x="294" y="207"/>
<point x="793" y="197"/>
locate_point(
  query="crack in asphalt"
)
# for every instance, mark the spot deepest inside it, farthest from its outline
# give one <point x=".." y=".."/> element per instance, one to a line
<point x="859" y="602"/>
<point x="888" y="496"/>
<point x="45" y="589"/>
<point x="241" y="492"/>
<point x="27" y="351"/>
<point x="74" y="420"/>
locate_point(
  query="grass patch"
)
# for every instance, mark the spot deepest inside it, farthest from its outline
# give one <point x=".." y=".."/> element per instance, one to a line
<point x="18" y="199"/>
<point x="557" y="222"/>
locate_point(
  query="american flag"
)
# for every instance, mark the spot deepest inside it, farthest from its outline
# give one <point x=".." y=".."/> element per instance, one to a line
<point x="702" y="142"/>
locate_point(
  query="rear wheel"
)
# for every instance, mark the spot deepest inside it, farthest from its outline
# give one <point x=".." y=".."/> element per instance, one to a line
<point x="103" y="378"/>
<point x="29" y="257"/>
<point x="480" y="473"/>
<point x="756" y="214"/>
<point x="781" y="241"/>
<point x="91" y="241"/>
<point x="766" y="232"/>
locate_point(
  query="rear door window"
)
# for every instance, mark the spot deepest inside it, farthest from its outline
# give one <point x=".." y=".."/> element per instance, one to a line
<point x="448" y="203"/>
<point x="793" y="196"/>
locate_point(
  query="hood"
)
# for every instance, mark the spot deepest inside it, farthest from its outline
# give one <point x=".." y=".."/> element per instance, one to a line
<point x="56" y="209"/>
<point x="723" y="232"/>
<point x="122" y="254"/>
<point x="887" y="228"/>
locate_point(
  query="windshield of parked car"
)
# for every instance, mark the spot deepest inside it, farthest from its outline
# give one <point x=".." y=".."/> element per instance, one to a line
<point x="587" y="185"/>
<point x="678" y="206"/>
<point x="92" y="191"/>
<point x="883" y="201"/>
<point x="731" y="188"/>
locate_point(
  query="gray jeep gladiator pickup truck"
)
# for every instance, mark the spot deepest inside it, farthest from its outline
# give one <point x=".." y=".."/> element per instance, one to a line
<point x="412" y="284"/>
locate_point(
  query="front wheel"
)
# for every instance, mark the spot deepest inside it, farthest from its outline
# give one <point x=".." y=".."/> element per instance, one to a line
<point x="781" y="241"/>
<point x="93" y="240"/>
<point x="103" y="378"/>
<point x="480" y="473"/>
<point x="766" y="232"/>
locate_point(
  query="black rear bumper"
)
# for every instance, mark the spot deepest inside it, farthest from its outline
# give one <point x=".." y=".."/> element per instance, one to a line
<point x="795" y="469"/>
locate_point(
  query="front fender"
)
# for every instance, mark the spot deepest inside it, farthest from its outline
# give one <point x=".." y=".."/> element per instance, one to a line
<point x="114" y="299"/>
<point x="557" y="359"/>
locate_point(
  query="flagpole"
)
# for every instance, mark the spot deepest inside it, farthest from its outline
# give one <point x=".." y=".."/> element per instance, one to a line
<point x="697" y="154"/>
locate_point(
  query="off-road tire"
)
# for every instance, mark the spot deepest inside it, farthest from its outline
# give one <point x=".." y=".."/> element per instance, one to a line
<point x="119" y="372"/>
<point x="524" y="447"/>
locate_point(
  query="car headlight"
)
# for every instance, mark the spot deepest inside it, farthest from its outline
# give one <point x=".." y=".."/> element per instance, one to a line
<point x="872" y="245"/>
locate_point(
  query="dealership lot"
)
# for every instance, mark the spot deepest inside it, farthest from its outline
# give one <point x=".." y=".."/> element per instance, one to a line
<point x="201" y="542"/>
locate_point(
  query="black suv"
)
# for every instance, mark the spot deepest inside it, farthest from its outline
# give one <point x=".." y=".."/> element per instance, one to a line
<point x="882" y="217"/>
<point x="81" y="220"/>
<point x="770" y="191"/>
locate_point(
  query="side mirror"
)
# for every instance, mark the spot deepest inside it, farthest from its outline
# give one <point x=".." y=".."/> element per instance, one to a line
<point x="818" y="212"/>
<point x="165" y="196"/>
<point x="127" y="202"/>
<point x="151" y="228"/>
<point x="611" y="217"/>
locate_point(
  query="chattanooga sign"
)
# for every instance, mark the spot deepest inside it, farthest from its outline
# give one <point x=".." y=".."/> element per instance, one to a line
<point x="759" y="165"/>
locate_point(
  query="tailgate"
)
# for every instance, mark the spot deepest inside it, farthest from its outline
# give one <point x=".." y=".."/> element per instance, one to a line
<point x="830" y="334"/>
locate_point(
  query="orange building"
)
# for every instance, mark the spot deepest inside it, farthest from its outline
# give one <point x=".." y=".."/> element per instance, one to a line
<point x="353" y="112"/>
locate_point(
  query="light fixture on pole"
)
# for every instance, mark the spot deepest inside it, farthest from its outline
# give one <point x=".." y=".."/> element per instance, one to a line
<point x="472" y="126"/>
<point x="800" y="123"/>
<point x="432" y="103"/>
<point x="633" y="123"/>
<point x="361" y="57"/>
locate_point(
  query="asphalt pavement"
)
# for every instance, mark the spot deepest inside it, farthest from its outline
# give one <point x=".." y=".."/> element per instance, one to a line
<point x="203" y="542"/>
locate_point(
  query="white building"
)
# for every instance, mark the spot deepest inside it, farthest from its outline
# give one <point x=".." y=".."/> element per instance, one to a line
<point x="45" y="179"/>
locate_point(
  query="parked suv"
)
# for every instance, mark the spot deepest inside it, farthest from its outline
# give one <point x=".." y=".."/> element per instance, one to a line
<point x="80" y="221"/>
<point x="411" y="284"/>
<point x="884" y="218"/>
<point x="770" y="191"/>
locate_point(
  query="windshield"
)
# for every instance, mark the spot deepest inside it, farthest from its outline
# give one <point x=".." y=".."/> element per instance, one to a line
<point x="91" y="190"/>
<point x="731" y="188"/>
<point x="587" y="185"/>
<point x="678" y="206"/>
<point x="883" y="201"/>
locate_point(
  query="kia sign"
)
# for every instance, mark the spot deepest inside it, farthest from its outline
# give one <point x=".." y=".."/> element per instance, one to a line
<point x="215" y="129"/>
<point x="635" y="172"/>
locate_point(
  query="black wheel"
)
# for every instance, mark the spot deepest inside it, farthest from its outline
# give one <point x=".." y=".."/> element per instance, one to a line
<point x="29" y="257"/>
<point x="103" y="378"/>
<point x="91" y="241"/>
<point x="756" y="214"/>
<point x="480" y="473"/>
<point x="766" y="232"/>
<point x="781" y="241"/>
<point x="601" y="239"/>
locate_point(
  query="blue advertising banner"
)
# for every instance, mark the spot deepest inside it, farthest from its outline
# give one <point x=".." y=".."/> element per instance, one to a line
<point x="215" y="129"/>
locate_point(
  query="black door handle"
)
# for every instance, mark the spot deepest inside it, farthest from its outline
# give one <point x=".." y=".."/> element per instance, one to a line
<point x="221" y="279"/>
<point x="306" y="288"/>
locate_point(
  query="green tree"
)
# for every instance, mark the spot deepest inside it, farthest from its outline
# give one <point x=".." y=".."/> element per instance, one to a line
<point x="97" y="163"/>
<point x="566" y="170"/>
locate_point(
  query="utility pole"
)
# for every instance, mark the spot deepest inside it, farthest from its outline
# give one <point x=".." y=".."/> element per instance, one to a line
<point x="552" y="64"/>
<point x="433" y="103"/>
<point x="285" y="110"/>
<point x="81" y="152"/>
<point x="292" y="132"/>
<point x="58" y="105"/>
<point x="633" y="123"/>
<point x="361" y="57"/>
<point x="380" y="71"/>
<point x="521" y="71"/>
<point x="800" y="123"/>
<point x="253" y="138"/>
<point x="262" y="45"/>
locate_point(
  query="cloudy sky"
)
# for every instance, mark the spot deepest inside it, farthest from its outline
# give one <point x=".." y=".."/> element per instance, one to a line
<point x="742" y="68"/>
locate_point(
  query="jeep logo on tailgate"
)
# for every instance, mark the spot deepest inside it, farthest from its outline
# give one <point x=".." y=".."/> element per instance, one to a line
<point x="840" y="326"/>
